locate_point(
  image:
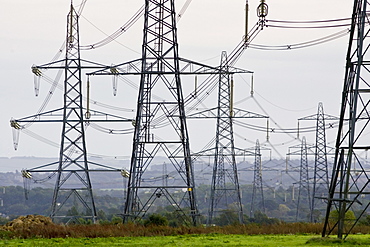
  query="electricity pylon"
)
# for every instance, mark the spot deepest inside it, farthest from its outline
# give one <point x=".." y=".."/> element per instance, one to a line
<point x="320" y="183"/>
<point x="225" y="192"/>
<point x="161" y="71"/>
<point x="73" y="181"/>
<point x="160" y="126"/>
<point x="350" y="178"/>
<point x="304" y="177"/>
<point x="304" y="180"/>
<point x="257" y="183"/>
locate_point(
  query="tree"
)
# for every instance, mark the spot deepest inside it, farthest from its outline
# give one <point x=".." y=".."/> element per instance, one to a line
<point x="349" y="217"/>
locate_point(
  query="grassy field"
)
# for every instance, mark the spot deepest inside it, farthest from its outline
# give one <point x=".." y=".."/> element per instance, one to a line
<point x="36" y="230"/>
<point x="196" y="240"/>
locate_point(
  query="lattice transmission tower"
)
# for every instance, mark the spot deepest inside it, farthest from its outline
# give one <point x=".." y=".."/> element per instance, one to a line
<point x="160" y="126"/>
<point x="320" y="182"/>
<point x="160" y="71"/>
<point x="257" y="183"/>
<point x="304" y="194"/>
<point x="73" y="185"/>
<point x="304" y="180"/>
<point x="225" y="190"/>
<point x="349" y="186"/>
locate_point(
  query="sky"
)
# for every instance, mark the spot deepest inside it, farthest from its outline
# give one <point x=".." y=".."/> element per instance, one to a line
<point x="288" y="84"/>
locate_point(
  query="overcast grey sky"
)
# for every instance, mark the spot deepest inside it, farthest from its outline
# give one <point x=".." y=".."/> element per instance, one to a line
<point x="288" y="84"/>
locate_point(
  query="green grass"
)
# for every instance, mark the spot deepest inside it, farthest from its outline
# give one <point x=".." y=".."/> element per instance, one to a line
<point x="210" y="240"/>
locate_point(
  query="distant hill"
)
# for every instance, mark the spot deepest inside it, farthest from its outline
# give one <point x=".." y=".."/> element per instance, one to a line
<point x="274" y="172"/>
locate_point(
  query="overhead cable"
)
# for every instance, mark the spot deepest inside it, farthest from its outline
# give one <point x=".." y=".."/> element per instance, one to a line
<point x="310" y="43"/>
<point x="311" y="21"/>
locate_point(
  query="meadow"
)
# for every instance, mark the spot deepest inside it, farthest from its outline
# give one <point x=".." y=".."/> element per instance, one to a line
<point x="41" y="231"/>
<point x="197" y="240"/>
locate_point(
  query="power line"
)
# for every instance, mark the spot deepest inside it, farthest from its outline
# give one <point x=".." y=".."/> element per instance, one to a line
<point x="300" y="45"/>
<point x="311" y="21"/>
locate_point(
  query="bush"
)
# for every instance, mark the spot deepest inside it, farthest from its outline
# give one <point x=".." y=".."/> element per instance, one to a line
<point x="261" y="218"/>
<point x="157" y="220"/>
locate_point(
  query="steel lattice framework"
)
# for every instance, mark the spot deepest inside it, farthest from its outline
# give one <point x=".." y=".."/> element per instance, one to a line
<point x="160" y="68"/>
<point x="73" y="132"/>
<point x="320" y="177"/>
<point x="225" y="192"/>
<point x="160" y="127"/>
<point x="350" y="178"/>
<point x="320" y="183"/>
<point x="160" y="72"/>
<point x="304" y="180"/>
<point x="72" y="170"/>
<point x="257" y="183"/>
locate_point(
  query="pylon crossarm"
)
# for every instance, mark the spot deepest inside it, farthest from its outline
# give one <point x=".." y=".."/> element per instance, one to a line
<point x="205" y="152"/>
<point x="47" y="66"/>
<point x="41" y="167"/>
<point x="209" y="113"/>
<point x="298" y="152"/>
<point x="213" y="113"/>
<point x="315" y="117"/>
<point x="37" y="117"/>
<point x="239" y="152"/>
<point x="108" y="168"/>
<point x="132" y="67"/>
<point x="243" y="152"/>
<point x="240" y="113"/>
<point x="106" y="117"/>
<point x="190" y="66"/>
<point x="186" y="67"/>
<point x="71" y="170"/>
<point x="91" y="65"/>
<point x="96" y="64"/>
<point x="56" y="116"/>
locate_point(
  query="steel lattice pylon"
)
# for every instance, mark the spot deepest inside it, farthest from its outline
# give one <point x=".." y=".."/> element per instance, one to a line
<point x="73" y="130"/>
<point x="72" y="164"/>
<point x="257" y="183"/>
<point x="321" y="177"/>
<point x="160" y="72"/>
<point x="320" y="183"/>
<point x="304" y="179"/>
<point x="225" y="192"/>
<point x="350" y="178"/>
<point x="304" y="183"/>
<point x="72" y="170"/>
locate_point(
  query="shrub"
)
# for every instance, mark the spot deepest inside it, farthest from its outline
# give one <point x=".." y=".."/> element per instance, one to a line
<point x="157" y="220"/>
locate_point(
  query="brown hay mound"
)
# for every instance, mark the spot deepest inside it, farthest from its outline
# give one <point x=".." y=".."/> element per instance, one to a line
<point x="28" y="222"/>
